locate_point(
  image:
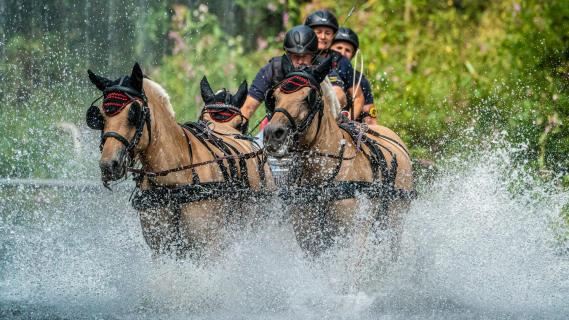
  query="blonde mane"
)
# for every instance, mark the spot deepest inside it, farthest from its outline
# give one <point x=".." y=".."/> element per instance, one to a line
<point x="330" y="96"/>
<point x="157" y="95"/>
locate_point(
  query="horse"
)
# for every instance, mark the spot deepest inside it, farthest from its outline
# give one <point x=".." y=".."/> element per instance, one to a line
<point x="333" y="162"/>
<point x="190" y="181"/>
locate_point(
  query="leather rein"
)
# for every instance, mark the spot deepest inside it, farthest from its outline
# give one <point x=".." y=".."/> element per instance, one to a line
<point x="152" y="174"/>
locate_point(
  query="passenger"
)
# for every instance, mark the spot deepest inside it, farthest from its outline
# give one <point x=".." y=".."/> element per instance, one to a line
<point x="325" y="25"/>
<point x="346" y="42"/>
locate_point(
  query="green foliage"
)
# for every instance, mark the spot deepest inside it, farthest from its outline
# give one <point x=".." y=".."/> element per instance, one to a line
<point x="440" y="67"/>
<point x="201" y="48"/>
<point x="35" y="99"/>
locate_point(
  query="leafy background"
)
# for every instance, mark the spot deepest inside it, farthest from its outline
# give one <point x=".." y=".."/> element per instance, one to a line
<point x="447" y="75"/>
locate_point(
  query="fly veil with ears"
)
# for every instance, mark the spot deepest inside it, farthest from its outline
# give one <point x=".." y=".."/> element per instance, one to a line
<point x="223" y="106"/>
<point x="295" y="80"/>
<point x="116" y="96"/>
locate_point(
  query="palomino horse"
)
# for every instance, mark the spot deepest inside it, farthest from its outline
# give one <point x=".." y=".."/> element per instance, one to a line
<point x="334" y="162"/>
<point x="191" y="181"/>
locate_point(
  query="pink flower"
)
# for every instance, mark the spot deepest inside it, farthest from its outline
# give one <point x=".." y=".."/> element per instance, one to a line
<point x="179" y="44"/>
<point x="262" y="43"/>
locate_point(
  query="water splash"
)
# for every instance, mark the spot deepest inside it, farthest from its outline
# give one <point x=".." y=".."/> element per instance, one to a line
<point x="478" y="243"/>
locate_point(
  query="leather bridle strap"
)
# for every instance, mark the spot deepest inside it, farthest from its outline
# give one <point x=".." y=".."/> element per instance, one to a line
<point x="291" y="123"/>
<point x="296" y="130"/>
<point x="112" y="134"/>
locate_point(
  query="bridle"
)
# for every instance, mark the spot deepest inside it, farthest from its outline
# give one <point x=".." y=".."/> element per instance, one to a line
<point x="116" y="98"/>
<point x="292" y="83"/>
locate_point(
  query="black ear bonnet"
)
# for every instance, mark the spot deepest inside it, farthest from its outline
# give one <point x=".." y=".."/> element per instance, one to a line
<point x="222" y="97"/>
<point x="223" y="106"/>
<point x="116" y="96"/>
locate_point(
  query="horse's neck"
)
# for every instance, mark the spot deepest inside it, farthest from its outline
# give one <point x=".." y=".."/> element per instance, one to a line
<point x="324" y="135"/>
<point x="168" y="147"/>
<point x="326" y="139"/>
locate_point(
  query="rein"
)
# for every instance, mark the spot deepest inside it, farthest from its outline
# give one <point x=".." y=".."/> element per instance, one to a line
<point x="194" y="165"/>
<point x="339" y="156"/>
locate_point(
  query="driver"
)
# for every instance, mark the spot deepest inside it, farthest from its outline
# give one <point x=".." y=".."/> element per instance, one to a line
<point x="301" y="48"/>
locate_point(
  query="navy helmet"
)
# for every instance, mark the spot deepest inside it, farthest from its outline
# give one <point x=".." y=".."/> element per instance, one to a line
<point x="347" y="35"/>
<point x="301" y="40"/>
<point x="322" y="18"/>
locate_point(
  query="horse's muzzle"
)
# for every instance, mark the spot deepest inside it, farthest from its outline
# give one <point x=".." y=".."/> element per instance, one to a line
<point x="276" y="140"/>
<point x="113" y="169"/>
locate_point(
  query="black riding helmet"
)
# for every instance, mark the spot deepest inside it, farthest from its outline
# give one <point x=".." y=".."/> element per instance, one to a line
<point x="349" y="36"/>
<point x="322" y="18"/>
<point x="301" y="40"/>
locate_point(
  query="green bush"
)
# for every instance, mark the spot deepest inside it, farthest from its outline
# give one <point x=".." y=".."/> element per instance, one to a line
<point x="438" y="68"/>
<point x="201" y="48"/>
<point x="38" y="92"/>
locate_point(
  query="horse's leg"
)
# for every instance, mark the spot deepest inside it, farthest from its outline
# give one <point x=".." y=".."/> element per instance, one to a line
<point x="159" y="228"/>
<point x="352" y="221"/>
<point x="395" y="213"/>
<point x="201" y="226"/>
<point x="308" y="229"/>
<point x="341" y="217"/>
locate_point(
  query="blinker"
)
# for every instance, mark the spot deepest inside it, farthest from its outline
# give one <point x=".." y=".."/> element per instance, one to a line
<point x="134" y="114"/>
<point x="94" y="118"/>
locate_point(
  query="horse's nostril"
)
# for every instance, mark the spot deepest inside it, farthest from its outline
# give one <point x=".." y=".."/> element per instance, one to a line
<point x="115" y="165"/>
<point x="111" y="169"/>
<point x="279" y="134"/>
<point x="106" y="170"/>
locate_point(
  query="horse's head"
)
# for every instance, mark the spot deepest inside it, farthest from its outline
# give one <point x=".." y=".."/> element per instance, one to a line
<point x="223" y="106"/>
<point x="293" y="105"/>
<point x="121" y="118"/>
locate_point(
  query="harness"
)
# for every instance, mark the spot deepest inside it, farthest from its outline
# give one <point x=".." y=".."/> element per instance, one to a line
<point x="235" y="174"/>
<point x="384" y="175"/>
<point x="235" y="184"/>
